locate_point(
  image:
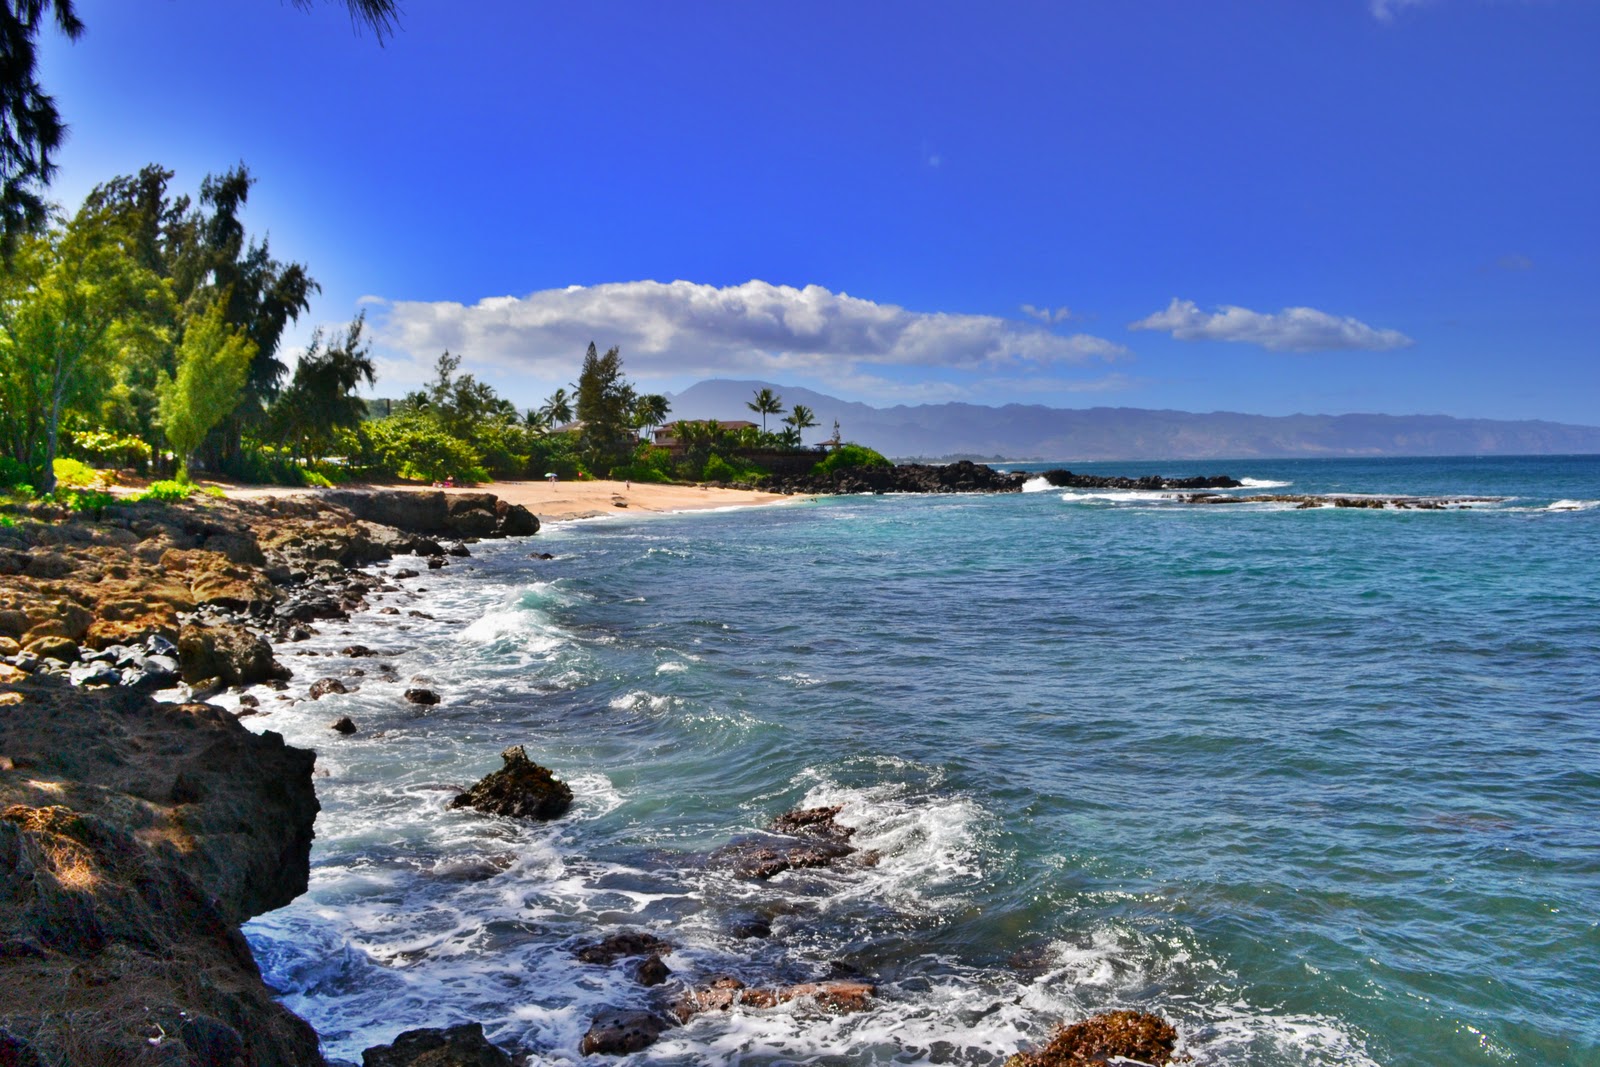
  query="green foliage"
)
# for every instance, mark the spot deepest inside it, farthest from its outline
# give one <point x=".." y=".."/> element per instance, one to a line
<point x="650" y="464"/>
<point x="766" y="403"/>
<point x="110" y="449"/>
<point x="605" y="407"/>
<point x="12" y="473"/>
<point x="213" y="361"/>
<point x="89" y="501"/>
<point x="264" y="464"/>
<point x="7" y="522"/>
<point x="165" y="492"/>
<point x="318" y="479"/>
<point x="321" y="400"/>
<point x="74" y="302"/>
<point x="72" y="474"/>
<point x="412" y="445"/>
<point x="847" y="456"/>
<point x="718" y="469"/>
<point x="214" y="491"/>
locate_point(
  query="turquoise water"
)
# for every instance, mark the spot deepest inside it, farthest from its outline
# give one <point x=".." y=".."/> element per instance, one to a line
<point x="1321" y="786"/>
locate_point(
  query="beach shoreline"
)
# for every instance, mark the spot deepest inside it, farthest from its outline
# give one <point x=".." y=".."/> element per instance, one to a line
<point x="563" y="501"/>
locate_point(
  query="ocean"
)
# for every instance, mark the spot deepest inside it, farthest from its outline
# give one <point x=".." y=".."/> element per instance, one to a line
<point x="1320" y="786"/>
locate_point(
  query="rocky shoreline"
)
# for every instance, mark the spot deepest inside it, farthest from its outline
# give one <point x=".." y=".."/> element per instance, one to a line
<point x="966" y="476"/>
<point x="137" y="835"/>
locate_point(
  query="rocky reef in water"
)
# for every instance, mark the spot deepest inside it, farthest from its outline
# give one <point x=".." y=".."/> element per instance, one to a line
<point x="965" y="476"/>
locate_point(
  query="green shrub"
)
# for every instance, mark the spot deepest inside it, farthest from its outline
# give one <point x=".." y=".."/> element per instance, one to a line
<point x="718" y="469"/>
<point x="650" y="464"/>
<point x="318" y="479"/>
<point x="110" y="449"/>
<point x="418" y="448"/>
<point x="215" y="491"/>
<point x="72" y="474"/>
<point x="846" y="457"/>
<point x="89" y="501"/>
<point x="167" y="492"/>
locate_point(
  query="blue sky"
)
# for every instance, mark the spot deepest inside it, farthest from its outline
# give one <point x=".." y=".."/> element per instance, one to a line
<point x="1272" y="207"/>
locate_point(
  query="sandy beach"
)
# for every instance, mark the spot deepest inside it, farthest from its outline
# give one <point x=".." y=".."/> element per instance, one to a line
<point x="556" y="501"/>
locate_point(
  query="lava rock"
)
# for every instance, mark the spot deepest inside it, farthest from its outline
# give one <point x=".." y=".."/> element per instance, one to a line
<point x="422" y="696"/>
<point x="620" y="946"/>
<point x="323" y="686"/>
<point x="651" y="971"/>
<point x="457" y="1046"/>
<point x="616" y="1032"/>
<point x="521" y="789"/>
<point x="344" y="726"/>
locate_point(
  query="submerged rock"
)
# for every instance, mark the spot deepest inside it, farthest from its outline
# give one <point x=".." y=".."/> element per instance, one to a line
<point x="651" y="971"/>
<point x="1133" y="1035"/>
<point x="620" y="946"/>
<point x="521" y="789"/>
<point x="422" y="696"/>
<point x="457" y="1046"/>
<point x="344" y="725"/>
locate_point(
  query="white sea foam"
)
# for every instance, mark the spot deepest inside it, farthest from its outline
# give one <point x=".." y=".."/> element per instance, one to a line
<point x="672" y="666"/>
<point x="1117" y="496"/>
<point x="1037" y="484"/>
<point x="639" y="700"/>
<point x="1573" y="505"/>
<point x="1262" y="483"/>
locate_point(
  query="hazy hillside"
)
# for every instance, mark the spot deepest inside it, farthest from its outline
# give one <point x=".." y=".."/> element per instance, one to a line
<point x="1020" y="431"/>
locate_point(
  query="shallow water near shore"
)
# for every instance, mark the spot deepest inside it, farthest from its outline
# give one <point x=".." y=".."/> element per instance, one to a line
<point x="1318" y="785"/>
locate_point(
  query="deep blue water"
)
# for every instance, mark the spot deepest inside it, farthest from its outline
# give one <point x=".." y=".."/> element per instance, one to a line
<point x="1322" y="786"/>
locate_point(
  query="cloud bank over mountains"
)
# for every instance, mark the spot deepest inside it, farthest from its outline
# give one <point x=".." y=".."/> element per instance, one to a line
<point x="1290" y="330"/>
<point x="683" y="328"/>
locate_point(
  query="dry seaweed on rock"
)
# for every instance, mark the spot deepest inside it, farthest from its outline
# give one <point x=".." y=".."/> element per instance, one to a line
<point x="521" y="789"/>
<point x="1099" y="1039"/>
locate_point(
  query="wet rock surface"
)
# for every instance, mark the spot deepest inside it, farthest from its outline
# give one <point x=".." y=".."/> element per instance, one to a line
<point x="521" y="789"/>
<point x="797" y="840"/>
<point x="456" y="1046"/>
<point x="618" y="1032"/>
<point x="1065" y="479"/>
<point x="834" y="998"/>
<point x="622" y="945"/>
<point x="960" y="477"/>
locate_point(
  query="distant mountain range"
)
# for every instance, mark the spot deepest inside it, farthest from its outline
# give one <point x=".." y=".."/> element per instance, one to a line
<point x="1032" y="431"/>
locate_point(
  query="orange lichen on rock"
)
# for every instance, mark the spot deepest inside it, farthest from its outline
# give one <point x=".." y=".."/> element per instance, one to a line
<point x="1133" y="1035"/>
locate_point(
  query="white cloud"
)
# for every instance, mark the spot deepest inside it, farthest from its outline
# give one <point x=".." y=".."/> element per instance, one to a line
<point x="1386" y="10"/>
<point x="686" y="329"/>
<point x="1047" y="315"/>
<point x="1290" y="330"/>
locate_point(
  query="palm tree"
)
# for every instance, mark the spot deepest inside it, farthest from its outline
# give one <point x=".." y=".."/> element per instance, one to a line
<point x="651" y="410"/>
<point x="535" y="420"/>
<point x="801" y="418"/>
<point x="558" y="409"/>
<point x="766" y="403"/>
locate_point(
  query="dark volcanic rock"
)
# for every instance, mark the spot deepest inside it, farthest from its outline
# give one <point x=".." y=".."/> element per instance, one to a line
<point x="521" y="789"/>
<point x="651" y="971"/>
<point x="962" y="477"/>
<point x="343" y="725"/>
<point x="422" y="696"/>
<point x="1102" y="1038"/>
<point x="1065" y="479"/>
<point x="616" y="1032"/>
<point x="458" y="1046"/>
<point x="140" y="837"/>
<point x="323" y="686"/>
<point x="813" y="822"/>
<point x="620" y="946"/>
<point x="232" y="653"/>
